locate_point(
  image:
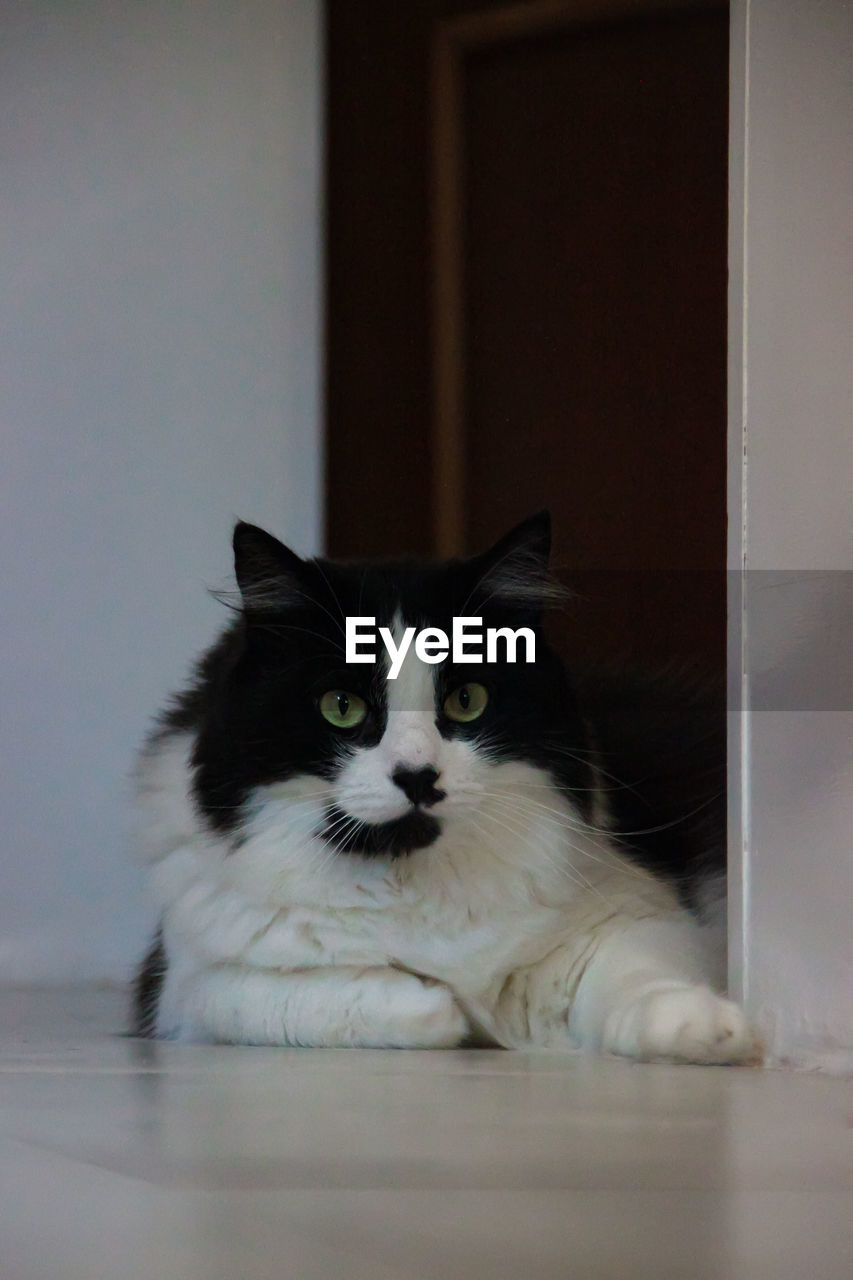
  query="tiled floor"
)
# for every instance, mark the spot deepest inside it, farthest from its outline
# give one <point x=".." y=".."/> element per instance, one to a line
<point x="120" y="1160"/>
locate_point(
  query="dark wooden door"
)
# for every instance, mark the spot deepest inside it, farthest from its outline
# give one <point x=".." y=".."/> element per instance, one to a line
<point x="527" y="298"/>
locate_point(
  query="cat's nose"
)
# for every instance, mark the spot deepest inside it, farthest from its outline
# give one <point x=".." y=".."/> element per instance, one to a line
<point x="419" y="785"/>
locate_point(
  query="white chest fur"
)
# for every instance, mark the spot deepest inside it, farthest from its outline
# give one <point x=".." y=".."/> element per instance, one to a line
<point x="512" y="877"/>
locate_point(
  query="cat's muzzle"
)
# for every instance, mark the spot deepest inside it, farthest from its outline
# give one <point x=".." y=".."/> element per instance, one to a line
<point x="416" y="829"/>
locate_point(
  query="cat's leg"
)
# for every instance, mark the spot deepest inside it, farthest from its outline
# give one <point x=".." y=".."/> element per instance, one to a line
<point x="371" y="1007"/>
<point x="644" y="994"/>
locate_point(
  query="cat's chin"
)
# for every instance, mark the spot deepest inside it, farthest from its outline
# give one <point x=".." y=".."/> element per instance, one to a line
<point x="395" y="839"/>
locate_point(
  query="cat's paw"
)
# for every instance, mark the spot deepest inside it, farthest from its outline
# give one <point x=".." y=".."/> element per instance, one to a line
<point x="681" y="1024"/>
<point x="422" y="1014"/>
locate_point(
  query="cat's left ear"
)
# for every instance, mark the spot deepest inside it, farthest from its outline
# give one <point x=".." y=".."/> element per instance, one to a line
<point x="268" y="573"/>
<point x="515" y="572"/>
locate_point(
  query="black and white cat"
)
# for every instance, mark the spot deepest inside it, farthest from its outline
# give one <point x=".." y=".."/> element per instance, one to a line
<point x="343" y="859"/>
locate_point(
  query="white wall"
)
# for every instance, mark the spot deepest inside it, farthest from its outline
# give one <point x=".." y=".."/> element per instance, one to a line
<point x="159" y="375"/>
<point x="791" y="523"/>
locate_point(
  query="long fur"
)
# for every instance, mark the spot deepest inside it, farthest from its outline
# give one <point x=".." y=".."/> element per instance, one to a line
<point x="542" y="875"/>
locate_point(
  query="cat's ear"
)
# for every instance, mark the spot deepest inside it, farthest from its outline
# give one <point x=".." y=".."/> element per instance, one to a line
<point x="515" y="570"/>
<point x="268" y="573"/>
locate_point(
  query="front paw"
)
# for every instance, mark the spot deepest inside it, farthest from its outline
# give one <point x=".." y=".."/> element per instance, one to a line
<point x="422" y="1014"/>
<point x="681" y="1024"/>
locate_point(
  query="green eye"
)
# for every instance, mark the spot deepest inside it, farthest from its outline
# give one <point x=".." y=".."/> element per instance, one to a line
<point x="466" y="703"/>
<point x="343" y="710"/>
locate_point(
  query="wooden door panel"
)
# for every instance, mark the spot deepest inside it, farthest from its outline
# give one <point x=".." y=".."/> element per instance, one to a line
<point x="527" y="294"/>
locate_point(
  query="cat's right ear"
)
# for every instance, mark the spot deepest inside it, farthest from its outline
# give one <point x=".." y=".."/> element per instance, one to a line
<point x="267" y="572"/>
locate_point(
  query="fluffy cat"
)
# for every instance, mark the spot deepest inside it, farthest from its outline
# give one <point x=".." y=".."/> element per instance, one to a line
<point x="456" y="855"/>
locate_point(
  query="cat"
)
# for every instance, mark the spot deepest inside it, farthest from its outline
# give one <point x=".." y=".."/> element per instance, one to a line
<point x="455" y="856"/>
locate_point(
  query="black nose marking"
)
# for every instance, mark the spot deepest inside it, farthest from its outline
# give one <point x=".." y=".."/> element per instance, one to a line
<point x="419" y="785"/>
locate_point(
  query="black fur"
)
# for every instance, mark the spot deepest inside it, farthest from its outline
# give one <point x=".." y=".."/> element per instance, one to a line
<point x="253" y="704"/>
<point x="661" y="745"/>
<point x="415" y="830"/>
<point x="147" y="987"/>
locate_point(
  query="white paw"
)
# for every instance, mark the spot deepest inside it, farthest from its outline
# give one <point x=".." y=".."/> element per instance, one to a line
<point x="423" y="1015"/>
<point x="683" y="1024"/>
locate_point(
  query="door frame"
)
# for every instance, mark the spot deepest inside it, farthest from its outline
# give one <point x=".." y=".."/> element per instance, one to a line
<point x="790" y="550"/>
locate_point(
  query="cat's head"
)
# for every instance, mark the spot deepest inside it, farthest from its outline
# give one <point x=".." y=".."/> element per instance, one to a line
<point x="395" y="761"/>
